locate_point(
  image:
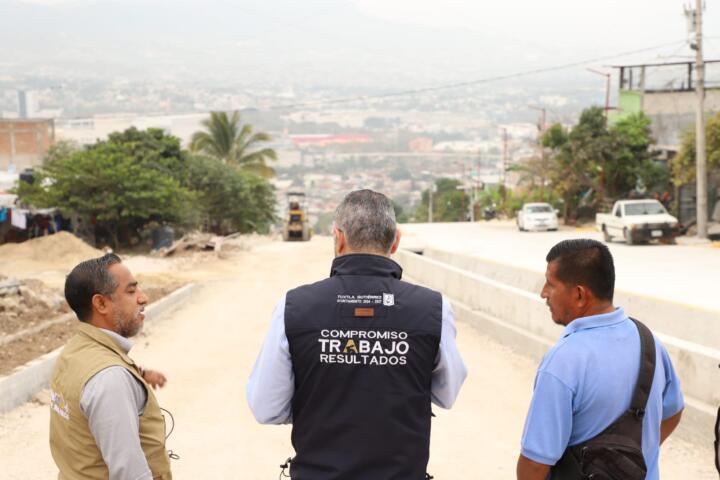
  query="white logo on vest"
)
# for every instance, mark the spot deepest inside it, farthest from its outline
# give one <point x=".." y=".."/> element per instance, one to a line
<point x="59" y="405"/>
<point x="388" y="299"/>
<point x="364" y="347"/>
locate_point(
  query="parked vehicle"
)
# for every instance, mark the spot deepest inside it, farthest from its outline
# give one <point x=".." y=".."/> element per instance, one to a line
<point x="637" y="221"/>
<point x="537" y="216"/>
<point x="489" y="212"/>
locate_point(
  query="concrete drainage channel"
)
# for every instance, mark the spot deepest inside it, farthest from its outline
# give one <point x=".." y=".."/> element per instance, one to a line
<point x="503" y="302"/>
<point x="20" y="386"/>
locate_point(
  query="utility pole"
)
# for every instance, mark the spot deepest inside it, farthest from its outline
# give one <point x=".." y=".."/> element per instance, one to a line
<point x="505" y="157"/>
<point x="469" y="186"/>
<point x="430" y="204"/>
<point x="700" y="153"/>
<point x="607" y="90"/>
<point x="543" y="157"/>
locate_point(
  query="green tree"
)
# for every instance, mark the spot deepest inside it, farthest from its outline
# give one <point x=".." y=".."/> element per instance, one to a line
<point x="633" y="158"/>
<point x="683" y="165"/>
<point x="61" y="148"/>
<point x="153" y="148"/>
<point x="227" y="139"/>
<point x="120" y="187"/>
<point x="231" y="200"/>
<point x="140" y="176"/>
<point x="324" y="223"/>
<point x="448" y="202"/>
<point x="567" y="175"/>
<point x="400" y="215"/>
<point x="592" y="163"/>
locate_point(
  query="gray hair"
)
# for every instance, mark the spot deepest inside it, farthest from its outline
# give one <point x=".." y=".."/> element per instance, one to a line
<point x="367" y="219"/>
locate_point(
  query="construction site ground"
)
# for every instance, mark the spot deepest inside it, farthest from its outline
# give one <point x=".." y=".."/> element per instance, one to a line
<point x="207" y="349"/>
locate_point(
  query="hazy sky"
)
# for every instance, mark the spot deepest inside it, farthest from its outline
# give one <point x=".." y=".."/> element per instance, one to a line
<point x="358" y="42"/>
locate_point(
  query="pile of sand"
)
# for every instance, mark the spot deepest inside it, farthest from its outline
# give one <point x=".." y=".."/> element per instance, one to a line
<point x="61" y="247"/>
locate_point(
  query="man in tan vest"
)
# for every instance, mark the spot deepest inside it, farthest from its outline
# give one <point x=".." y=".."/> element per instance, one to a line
<point x="105" y="422"/>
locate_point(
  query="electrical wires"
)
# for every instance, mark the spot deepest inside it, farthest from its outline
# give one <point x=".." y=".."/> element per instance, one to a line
<point x="450" y="86"/>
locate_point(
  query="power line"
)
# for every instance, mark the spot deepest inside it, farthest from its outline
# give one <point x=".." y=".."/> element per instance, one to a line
<point x="468" y="83"/>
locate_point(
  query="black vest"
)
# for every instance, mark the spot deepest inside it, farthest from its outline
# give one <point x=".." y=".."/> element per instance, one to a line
<point x="363" y="346"/>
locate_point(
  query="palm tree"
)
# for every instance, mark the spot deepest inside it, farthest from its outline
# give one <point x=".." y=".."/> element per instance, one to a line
<point x="230" y="141"/>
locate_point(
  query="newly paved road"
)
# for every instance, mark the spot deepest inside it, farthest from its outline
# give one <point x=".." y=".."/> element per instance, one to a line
<point x="679" y="273"/>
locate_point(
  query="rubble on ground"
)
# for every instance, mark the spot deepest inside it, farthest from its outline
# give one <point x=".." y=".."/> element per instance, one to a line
<point x="192" y="242"/>
<point x="207" y="242"/>
<point x="243" y="242"/>
<point x="26" y="303"/>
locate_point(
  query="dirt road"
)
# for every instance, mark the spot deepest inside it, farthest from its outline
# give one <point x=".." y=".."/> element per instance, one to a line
<point x="207" y="350"/>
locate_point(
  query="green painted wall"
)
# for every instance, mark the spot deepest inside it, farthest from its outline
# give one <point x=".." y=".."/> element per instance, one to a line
<point x="629" y="102"/>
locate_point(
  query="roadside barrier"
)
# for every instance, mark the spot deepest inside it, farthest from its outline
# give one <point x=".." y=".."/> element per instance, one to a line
<point x="27" y="380"/>
<point x="504" y="303"/>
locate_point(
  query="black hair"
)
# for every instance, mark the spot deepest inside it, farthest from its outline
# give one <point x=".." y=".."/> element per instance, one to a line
<point x="585" y="262"/>
<point x="89" y="278"/>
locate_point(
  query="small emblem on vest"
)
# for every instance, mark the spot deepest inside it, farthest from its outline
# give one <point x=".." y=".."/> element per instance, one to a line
<point x="364" y="312"/>
<point x="59" y="405"/>
<point x="388" y="299"/>
<point x="350" y="347"/>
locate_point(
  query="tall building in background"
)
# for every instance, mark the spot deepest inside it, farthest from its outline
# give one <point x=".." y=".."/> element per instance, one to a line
<point x="28" y="104"/>
<point x="22" y="104"/>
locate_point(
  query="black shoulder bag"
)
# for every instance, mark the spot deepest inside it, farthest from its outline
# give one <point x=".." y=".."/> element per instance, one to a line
<point x="717" y="442"/>
<point x="616" y="453"/>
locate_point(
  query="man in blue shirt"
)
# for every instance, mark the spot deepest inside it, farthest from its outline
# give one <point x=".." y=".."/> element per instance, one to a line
<point x="586" y="381"/>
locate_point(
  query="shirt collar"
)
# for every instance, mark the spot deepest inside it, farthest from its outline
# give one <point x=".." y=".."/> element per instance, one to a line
<point x="365" y="264"/>
<point x="122" y="342"/>
<point x="595" y="321"/>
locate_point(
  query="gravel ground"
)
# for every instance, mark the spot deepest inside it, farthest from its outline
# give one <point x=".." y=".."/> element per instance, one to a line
<point x="207" y="349"/>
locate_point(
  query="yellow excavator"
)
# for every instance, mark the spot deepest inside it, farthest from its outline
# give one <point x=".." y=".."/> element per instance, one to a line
<point x="297" y="227"/>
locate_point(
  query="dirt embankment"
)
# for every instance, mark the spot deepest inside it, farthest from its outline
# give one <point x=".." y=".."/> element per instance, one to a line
<point x="32" y="276"/>
<point x="32" y="304"/>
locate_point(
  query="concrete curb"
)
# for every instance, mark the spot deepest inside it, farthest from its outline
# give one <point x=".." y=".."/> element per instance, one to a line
<point x="38" y="328"/>
<point x="510" y="294"/>
<point x="519" y="320"/>
<point x="26" y="380"/>
<point x="698" y="325"/>
<point x="698" y="418"/>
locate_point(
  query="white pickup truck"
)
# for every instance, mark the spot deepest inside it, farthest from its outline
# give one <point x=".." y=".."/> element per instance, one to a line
<point x="638" y="221"/>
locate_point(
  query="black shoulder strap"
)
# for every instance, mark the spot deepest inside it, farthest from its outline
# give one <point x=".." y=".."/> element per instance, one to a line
<point x="717" y="442"/>
<point x="647" y="369"/>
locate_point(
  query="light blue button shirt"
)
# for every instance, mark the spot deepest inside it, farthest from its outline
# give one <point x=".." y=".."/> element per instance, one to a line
<point x="586" y="381"/>
<point x="272" y="384"/>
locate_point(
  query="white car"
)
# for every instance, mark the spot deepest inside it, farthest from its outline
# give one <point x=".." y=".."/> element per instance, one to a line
<point x="537" y="216"/>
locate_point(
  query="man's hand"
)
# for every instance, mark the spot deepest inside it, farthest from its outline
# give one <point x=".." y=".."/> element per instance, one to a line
<point x="154" y="379"/>
<point x="530" y="470"/>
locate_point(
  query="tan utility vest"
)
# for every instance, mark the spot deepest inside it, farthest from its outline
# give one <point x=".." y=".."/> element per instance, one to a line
<point x="71" y="442"/>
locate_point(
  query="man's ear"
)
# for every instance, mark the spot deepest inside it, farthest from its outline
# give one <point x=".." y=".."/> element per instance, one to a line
<point x="100" y="304"/>
<point x="340" y="242"/>
<point x="582" y="295"/>
<point x="396" y="243"/>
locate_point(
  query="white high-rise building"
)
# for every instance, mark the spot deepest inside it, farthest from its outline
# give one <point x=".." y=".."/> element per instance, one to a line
<point x="28" y="104"/>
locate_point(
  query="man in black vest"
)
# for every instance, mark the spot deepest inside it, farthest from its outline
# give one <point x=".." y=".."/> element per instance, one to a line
<point x="354" y="361"/>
